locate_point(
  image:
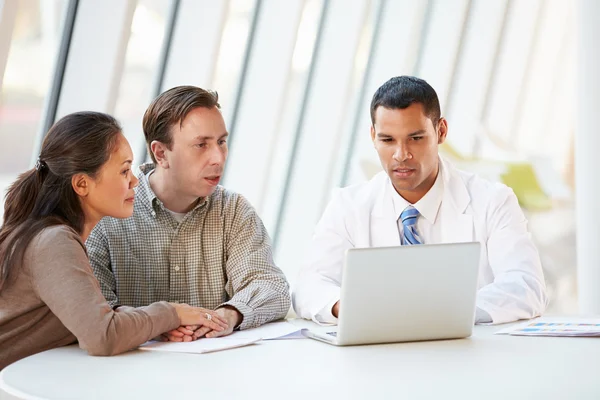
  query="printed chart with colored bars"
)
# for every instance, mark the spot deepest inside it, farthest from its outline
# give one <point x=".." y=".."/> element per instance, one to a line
<point x="584" y="327"/>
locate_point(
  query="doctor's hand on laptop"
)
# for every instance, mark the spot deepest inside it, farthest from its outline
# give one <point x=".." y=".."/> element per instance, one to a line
<point x="335" y="310"/>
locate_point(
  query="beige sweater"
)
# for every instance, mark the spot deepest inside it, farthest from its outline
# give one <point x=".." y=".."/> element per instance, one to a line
<point x="54" y="299"/>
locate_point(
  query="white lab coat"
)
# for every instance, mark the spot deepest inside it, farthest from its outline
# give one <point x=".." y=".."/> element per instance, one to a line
<point x="511" y="282"/>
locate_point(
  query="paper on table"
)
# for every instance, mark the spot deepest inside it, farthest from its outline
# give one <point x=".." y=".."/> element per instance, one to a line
<point x="199" y="346"/>
<point x="271" y="331"/>
<point x="546" y="326"/>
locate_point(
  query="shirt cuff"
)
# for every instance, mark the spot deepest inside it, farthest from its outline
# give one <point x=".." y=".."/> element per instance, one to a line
<point x="248" y="314"/>
<point x="482" y="317"/>
<point x="325" y="315"/>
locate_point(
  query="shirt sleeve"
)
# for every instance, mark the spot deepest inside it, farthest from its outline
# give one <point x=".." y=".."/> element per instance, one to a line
<point x="318" y="286"/>
<point x="257" y="288"/>
<point x="63" y="279"/>
<point x="518" y="290"/>
<point x="482" y="317"/>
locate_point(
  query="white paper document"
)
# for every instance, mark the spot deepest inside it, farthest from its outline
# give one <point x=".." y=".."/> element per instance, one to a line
<point x="199" y="346"/>
<point x="555" y="326"/>
<point x="272" y="331"/>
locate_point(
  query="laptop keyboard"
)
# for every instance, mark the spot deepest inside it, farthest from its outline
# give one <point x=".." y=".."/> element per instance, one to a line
<point x="334" y="334"/>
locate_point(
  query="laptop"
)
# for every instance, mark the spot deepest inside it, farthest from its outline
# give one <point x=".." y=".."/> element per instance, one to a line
<point x="405" y="293"/>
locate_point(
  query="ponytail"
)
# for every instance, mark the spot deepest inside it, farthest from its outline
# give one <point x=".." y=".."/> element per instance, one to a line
<point x="21" y="196"/>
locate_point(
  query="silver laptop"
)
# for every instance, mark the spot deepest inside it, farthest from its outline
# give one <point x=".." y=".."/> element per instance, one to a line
<point x="405" y="293"/>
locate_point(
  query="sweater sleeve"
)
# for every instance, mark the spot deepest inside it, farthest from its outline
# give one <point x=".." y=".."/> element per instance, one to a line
<point x="62" y="277"/>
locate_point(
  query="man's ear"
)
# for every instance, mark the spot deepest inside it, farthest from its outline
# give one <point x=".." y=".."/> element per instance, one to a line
<point x="81" y="184"/>
<point x="373" y="134"/>
<point x="160" y="152"/>
<point x="442" y="130"/>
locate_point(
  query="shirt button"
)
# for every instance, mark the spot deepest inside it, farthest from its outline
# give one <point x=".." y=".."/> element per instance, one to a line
<point x="154" y="213"/>
<point x="176" y="268"/>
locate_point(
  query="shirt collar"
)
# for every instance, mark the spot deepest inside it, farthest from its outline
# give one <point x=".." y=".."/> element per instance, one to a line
<point x="144" y="193"/>
<point x="429" y="204"/>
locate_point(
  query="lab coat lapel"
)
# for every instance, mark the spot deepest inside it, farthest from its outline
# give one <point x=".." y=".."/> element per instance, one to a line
<point x="457" y="225"/>
<point x="384" y="226"/>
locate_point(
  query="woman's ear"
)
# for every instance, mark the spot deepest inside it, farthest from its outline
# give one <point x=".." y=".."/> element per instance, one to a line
<point x="81" y="184"/>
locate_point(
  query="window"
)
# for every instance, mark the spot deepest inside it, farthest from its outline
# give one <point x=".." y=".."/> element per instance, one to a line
<point x="142" y="60"/>
<point x="36" y="34"/>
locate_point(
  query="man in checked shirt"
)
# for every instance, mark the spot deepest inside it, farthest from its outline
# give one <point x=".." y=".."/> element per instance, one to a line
<point x="189" y="240"/>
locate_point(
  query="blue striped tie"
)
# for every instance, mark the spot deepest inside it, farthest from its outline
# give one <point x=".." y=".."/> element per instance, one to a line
<point x="410" y="235"/>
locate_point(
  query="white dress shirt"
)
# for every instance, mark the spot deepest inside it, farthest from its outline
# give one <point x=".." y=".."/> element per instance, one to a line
<point x="429" y="222"/>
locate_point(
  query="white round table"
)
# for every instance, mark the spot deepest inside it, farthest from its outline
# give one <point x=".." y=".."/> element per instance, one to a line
<point x="485" y="366"/>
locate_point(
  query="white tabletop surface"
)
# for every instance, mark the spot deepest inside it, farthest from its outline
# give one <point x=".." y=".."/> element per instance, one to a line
<point x="484" y="366"/>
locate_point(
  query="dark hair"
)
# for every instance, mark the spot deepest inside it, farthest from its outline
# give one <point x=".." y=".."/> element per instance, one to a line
<point x="402" y="91"/>
<point x="43" y="196"/>
<point x="171" y="107"/>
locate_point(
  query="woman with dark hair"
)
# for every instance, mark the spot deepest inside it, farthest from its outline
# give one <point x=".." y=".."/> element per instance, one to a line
<point x="49" y="296"/>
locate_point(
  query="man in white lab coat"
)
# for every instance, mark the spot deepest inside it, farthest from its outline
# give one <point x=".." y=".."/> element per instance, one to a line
<point x="421" y="198"/>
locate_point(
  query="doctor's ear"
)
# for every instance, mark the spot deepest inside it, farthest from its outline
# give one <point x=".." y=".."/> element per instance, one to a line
<point x="442" y="130"/>
<point x="373" y="135"/>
